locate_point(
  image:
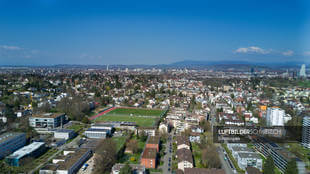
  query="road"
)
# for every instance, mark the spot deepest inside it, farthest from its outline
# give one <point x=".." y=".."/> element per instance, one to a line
<point x="226" y="164"/>
<point x="60" y="149"/>
<point x="168" y="155"/>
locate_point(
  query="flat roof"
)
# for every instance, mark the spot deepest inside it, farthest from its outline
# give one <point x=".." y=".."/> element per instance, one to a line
<point x="72" y="159"/>
<point x="64" y="130"/>
<point x="26" y="150"/>
<point x="9" y="135"/>
<point x="47" y="115"/>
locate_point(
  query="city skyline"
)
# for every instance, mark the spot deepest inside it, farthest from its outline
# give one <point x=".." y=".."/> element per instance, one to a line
<point x="158" y="32"/>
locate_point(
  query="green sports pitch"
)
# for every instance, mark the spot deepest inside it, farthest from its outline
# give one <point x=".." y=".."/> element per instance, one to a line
<point x="142" y="117"/>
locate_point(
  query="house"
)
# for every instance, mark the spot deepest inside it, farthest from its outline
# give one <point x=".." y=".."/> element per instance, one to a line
<point x="136" y="168"/>
<point x="194" y="137"/>
<point x="203" y="171"/>
<point x="153" y="142"/>
<point x="185" y="158"/>
<point x="182" y="142"/>
<point x="149" y="158"/>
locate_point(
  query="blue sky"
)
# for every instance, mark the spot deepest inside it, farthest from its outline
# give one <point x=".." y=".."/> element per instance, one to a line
<point x="44" y="32"/>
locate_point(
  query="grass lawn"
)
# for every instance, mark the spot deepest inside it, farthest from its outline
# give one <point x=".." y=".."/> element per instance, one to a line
<point x="142" y="117"/>
<point x="133" y="158"/>
<point x="76" y="127"/>
<point x="135" y="112"/>
<point x="197" y="155"/>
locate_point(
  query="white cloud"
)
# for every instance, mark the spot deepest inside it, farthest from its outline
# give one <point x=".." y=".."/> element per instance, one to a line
<point x="252" y="49"/>
<point x="8" y="47"/>
<point x="288" y="53"/>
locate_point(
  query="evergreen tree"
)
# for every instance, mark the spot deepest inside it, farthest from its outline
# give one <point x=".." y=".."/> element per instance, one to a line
<point x="291" y="167"/>
<point x="268" y="167"/>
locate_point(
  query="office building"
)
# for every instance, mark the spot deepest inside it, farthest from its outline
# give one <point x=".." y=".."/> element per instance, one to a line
<point x="47" y="120"/>
<point x="306" y="132"/>
<point x="275" y="117"/>
<point x="10" y="142"/>
<point x="302" y="72"/>
<point x="34" y="149"/>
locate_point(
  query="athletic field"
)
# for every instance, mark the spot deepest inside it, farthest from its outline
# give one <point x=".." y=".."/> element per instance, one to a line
<point x="142" y="117"/>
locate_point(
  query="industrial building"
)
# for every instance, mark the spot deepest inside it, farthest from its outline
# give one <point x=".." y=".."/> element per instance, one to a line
<point x="34" y="149"/>
<point x="10" y="142"/>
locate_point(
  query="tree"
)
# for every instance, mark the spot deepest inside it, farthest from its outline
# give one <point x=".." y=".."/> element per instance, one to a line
<point x="268" y="167"/>
<point x="105" y="156"/>
<point x="291" y="167"/>
<point x="210" y="158"/>
<point x="133" y="145"/>
<point x="85" y="120"/>
<point x="126" y="169"/>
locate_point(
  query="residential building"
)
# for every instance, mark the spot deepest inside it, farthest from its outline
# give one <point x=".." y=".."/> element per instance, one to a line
<point x="149" y="158"/>
<point x="10" y="142"/>
<point x="34" y="149"/>
<point x="47" y="120"/>
<point x="275" y="117"/>
<point x="306" y="132"/>
<point x="182" y="142"/>
<point x="185" y="158"/>
<point x="153" y="142"/>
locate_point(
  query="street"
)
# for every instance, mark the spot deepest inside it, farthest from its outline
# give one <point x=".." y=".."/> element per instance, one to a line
<point x="167" y="166"/>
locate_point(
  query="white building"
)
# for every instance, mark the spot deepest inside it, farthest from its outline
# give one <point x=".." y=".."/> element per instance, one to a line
<point x="249" y="159"/>
<point x="275" y="117"/>
<point x="64" y="134"/>
<point x="306" y="132"/>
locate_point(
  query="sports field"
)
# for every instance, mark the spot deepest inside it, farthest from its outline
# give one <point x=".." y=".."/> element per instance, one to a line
<point x="142" y="117"/>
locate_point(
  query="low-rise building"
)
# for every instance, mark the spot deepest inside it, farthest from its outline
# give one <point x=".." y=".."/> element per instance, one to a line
<point x="64" y="134"/>
<point x="96" y="133"/>
<point x="182" y="142"/>
<point x="34" y="149"/>
<point x="246" y="159"/>
<point x="136" y="168"/>
<point x="153" y="142"/>
<point x="203" y="171"/>
<point x="10" y="142"/>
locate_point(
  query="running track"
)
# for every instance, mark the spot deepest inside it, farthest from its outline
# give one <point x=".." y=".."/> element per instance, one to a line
<point x="102" y="113"/>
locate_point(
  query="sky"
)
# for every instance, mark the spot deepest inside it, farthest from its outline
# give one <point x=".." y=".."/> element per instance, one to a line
<point x="49" y="32"/>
